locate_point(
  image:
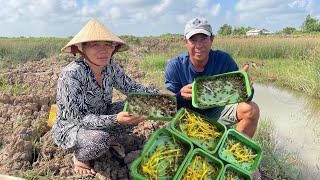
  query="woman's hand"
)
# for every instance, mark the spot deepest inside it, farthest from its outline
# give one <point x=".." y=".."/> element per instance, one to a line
<point x="126" y="118"/>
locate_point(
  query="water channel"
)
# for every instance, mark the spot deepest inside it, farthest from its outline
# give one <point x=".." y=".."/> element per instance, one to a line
<point x="296" y="120"/>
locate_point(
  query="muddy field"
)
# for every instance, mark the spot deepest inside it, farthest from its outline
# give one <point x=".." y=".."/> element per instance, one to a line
<point x="26" y="146"/>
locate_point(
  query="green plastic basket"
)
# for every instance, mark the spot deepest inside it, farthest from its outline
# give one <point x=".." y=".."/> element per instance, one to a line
<point x="157" y="140"/>
<point x="153" y="111"/>
<point x="223" y="90"/>
<point x="213" y="145"/>
<point x="208" y="158"/>
<point x="246" y="142"/>
<point x="239" y="173"/>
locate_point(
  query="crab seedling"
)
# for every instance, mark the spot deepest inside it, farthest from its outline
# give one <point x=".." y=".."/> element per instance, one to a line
<point x="151" y="105"/>
<point x="221" y="90"/>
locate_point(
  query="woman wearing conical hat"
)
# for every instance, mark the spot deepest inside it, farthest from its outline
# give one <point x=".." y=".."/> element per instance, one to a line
<point x="87" y="121"/>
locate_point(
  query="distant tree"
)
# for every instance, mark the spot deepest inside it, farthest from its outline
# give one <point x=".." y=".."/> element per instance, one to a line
<point x="241" y="30"/>
<point x="225" y="30"/>
<point x="310" y="24"/>
<point x="289" y="30"/>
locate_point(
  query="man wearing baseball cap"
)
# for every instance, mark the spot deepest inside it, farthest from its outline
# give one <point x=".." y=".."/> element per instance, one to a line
<point x="201" y="60"/>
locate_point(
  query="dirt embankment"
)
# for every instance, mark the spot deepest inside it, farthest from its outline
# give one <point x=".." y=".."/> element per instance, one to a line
<point x="26" y="94"/>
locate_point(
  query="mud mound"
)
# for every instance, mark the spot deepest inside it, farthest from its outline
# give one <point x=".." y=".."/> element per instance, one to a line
<point x="26" y="94"/>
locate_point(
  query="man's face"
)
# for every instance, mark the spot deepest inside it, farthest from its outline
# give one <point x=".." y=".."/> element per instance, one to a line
<point x="99" y="52"/>
<point x="199" y="46"/>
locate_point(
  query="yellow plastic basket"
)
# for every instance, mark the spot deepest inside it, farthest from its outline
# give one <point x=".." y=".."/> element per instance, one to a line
<point x="52" y="115"/>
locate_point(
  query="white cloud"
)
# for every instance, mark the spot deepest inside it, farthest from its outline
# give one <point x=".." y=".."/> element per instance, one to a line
<point x="228" y="15"/>
<point x="115" y="13"/>
<point x="181" y="18"/>
<point x="215" y="10"/>
<point x="202" y="3"/>
<point x="273" y="14"/>
<point x="300" y="4"/>
<point x="161" y="7"/>
<point x="135" y="3"/>
<point x="65" y="17"/>
<point x="253" y="5"/>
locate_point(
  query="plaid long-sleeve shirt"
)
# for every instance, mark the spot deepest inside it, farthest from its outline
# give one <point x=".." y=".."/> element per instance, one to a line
<point x="82" y="103"/>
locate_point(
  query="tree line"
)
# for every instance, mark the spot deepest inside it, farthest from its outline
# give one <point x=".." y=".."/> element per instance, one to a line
<point x="309" y="25"/>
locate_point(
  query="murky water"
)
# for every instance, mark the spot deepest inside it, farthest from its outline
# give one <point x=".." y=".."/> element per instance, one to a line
<point x="296" y="118"/>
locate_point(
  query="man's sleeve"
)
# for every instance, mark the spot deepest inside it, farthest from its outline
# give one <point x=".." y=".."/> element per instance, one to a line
<point x="173" y="83"/>
<point x="232" y="65"/>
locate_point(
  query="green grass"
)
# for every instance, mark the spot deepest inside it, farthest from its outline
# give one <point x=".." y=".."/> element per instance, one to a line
<point x="20" y="122"/>
<point x="130" y="39"/>
<point x="14" y="89"/>
<point x="4" y="82"/>
<point x="19" y="50"/>
<point x="276" y="163"/>
<point x="290" y="61"/>
<point x="269" y="47"/>
<point x="154" y="65"/>
<point x="171" y="36"/>
<point x="295" y="74"/>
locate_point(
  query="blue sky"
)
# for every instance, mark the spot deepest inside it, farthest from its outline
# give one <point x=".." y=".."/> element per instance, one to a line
<point x="62" y="18"/>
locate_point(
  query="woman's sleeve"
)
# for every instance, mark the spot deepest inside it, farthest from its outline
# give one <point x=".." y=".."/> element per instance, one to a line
<point x="72" y="106"/>
<point x="126" y="85"/>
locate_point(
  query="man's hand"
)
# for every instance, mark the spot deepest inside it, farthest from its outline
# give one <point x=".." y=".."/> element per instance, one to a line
<point x="126" y="118"/>
<point x="186" y="92"/>
<point x="245" y="67"/>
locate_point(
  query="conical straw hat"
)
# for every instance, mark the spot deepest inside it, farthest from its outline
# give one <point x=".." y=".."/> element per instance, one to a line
<point x="94" y="31"/>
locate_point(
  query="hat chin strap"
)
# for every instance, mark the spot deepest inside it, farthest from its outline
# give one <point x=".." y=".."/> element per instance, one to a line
<point x="75" y="50"/>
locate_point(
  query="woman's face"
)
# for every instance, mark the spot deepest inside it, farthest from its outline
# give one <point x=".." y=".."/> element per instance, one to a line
<point x="99" y="52"/>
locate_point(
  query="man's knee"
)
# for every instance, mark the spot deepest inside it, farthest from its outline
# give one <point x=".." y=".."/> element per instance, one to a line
<point x="248" y="110"/>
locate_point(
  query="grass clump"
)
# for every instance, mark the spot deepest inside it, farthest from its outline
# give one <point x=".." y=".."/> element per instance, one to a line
<point x="276" y="163"/>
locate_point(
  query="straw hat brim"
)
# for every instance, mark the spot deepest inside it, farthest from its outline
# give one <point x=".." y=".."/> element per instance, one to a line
<point x="94" y="31"/>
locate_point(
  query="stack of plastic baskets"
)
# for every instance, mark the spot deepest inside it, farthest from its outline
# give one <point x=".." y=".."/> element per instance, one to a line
<point x="215" y="155"/>
<point x="162" y="157"/>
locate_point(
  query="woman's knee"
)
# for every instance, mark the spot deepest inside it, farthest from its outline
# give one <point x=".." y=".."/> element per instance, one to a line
<point x="87" y="138"/>
<point x="91" y="144"/>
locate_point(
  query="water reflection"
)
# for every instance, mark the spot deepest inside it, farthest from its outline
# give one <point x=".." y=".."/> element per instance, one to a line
<point x="296" y="118"/>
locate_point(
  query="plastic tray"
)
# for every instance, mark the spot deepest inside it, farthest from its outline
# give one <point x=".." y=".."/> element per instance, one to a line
<point x="149" y="103"/>
<point x="158" y="139"/>
<point x="209" y="158"/>
<point x="222" y="91"/>
<point x="215" y="144"/>
<point x="247" y="167"/>
<point x="238" y="172"/>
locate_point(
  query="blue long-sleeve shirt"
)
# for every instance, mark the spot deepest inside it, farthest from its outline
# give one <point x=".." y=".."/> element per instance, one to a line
<point x="180" y="72"/>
